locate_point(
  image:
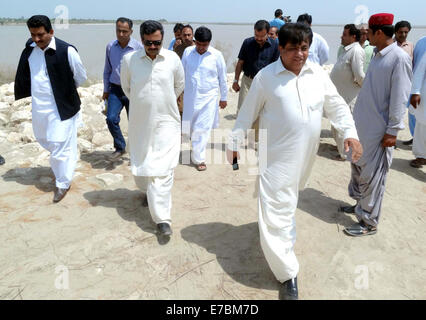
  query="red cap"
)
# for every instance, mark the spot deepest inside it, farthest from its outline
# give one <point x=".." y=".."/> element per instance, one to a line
<point x="381" y="19"/>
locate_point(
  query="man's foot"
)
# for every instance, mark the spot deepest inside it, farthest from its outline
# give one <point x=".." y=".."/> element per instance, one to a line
<point x="339" y="158"/>
<point x="289" y="290"/>
<point x="201" y="167"/>
<point x="144" y="201"/>
<point x="2" y="161"/>
<point x="347" y="209"/>
<point x="117" y="154"/>
<point x="164" y="229"/>
<point x="59" y="194"/>
<point x="418" y="163"/>
<point x="408" y="142"/>
<point x="360" y="229"/>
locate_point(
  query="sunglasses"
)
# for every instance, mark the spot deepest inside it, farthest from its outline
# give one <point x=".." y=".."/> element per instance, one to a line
<point x="149" y="43"/>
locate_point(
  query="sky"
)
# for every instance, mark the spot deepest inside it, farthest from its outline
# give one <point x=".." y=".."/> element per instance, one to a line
<point x="239" y="11"/>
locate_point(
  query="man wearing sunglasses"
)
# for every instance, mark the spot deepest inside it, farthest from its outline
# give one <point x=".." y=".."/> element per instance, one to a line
<point x="153" y="78"/>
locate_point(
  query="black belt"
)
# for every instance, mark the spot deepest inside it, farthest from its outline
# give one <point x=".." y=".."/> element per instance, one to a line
<point x="115" y="85"/>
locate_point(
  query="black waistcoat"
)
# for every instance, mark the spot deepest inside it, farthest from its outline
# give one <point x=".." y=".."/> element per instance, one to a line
<point x="60" y="75"/>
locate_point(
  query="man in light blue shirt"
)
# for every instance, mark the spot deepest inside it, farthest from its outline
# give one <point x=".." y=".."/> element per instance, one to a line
<point x="278" y="22"/>
<point x="177" y="40"/>
<point x="419" y="50"/>
<point x="115" y="51"/>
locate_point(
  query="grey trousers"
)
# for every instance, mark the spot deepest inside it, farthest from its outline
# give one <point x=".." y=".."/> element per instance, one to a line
<point x="367" y="185"/>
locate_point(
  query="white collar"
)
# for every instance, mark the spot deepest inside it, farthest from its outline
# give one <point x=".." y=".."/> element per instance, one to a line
<point x="52" y="45"/>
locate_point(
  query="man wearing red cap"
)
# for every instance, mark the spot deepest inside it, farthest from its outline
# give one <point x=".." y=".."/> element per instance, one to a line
<point x="378" y="115"/>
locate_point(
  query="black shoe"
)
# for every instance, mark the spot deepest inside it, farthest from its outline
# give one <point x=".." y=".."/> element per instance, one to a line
<point x="360" y="229"/>
<point x="408" y="142"/>
<point x="347" y="209"/>
<point x="288" y="290"/>
<point x="59" y="194"/>
<point x="117" y="154"/>
<point x="164" y="229"/>
<point x="2" y="161"/>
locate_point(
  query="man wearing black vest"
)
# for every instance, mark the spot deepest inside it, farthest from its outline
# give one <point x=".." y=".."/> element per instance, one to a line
<point x="50" y="70"/>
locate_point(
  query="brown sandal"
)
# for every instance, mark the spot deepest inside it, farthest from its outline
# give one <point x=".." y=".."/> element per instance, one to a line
<point x="201" y="167"/>
<point x="418" y="163"/>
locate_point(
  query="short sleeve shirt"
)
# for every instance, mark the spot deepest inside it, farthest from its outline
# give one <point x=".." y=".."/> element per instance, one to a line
<point x="255" y="57"/>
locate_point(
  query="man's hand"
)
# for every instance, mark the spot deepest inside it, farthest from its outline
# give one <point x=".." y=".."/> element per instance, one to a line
<point x="230" y="155"/>
<point x="223" y="104"/>
<point x="388" y="141"/>
<point x="236" y="86"/>
<point x="178" y="42"/>
<point x="415" y="100"/>
<point x="105" y="96"/>
<point x="356" y="147"/>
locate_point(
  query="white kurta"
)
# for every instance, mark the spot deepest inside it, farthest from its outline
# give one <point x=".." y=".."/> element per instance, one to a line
<point x="59" y="137"/>
<point x="205" y="85"/>
<point x="290" y="108"/>
<point x="318" y="50"/>
<point x="348" y="75"/>
<point x="154" y="120"/>
<point x="419" y="87"/>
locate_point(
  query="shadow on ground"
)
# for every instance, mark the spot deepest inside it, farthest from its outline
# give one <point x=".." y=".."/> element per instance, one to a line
<point x="327" y="150"/>
<point x="403" y="165"/>
<point x="102" y="160"/>
<point x="128" y="204"/>
<point x="32" y="177"/>
<point x="237" y="250"/>
<point x="311" y="199"/>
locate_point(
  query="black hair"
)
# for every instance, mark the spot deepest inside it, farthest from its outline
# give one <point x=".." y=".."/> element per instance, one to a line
<point x="188" y="26"/>
<point x="125" y="20"/>
<point x="353" y="31"/>
<point x="278" y="13"/>
<point x="177" y="27"/>
<point x="294" y="33"/>
<point x="262" y="25"/>
<point x="151" y="26"/>
<point x="38" y="21"/>
<point x="305" y="18"/>
<point x="203" y="34"/>
<point x="402" y="24"/>
<point x="388" y="30"/>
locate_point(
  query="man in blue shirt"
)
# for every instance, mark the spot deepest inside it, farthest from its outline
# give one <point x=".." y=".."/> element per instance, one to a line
<point x="256" y="53"/>
<point x="278" y="22"/>
<point x="113" y="93"/>
<point x="419" y="50"/>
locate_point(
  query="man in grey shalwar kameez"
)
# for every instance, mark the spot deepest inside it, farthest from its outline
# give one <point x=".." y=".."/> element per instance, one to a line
<point x="378" y="116"/>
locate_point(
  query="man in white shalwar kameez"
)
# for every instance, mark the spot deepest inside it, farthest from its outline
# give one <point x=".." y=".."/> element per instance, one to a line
<point x="152" y="78"/>
<point x="348" y="74"/>
<point x="205" y="79"/>
<point x="418" y="108"/>
<point x="289" y="96"/>
<point x="50" y="70"/>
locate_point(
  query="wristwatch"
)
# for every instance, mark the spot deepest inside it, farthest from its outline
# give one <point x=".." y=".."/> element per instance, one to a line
<point x="235" y="81"/>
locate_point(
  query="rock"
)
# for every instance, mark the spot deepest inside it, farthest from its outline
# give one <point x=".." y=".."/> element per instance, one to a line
<point x="9" y="99"/>
<point x="101" y="139"/>
<point x="3" y="120"/>
<point x="84" y="145"/>
<point x="20" y="116"/>
<point x="10" y="89"/>
<point x="108" y="179"/>
<point x="91" y="99"/>
<point x="21" y="103"/>
<point x="14" y="137"/>
<point x="26" y="131"/>
<point x="4" y="106"/>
